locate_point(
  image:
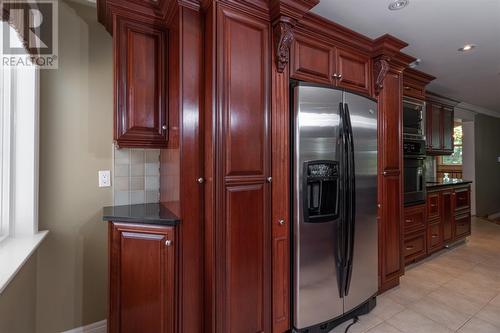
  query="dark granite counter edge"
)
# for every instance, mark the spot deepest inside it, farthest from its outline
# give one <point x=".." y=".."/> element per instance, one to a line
<point x="431" y="185"/>
<point x="139" y="220"/>
<point x="151" y="214"/>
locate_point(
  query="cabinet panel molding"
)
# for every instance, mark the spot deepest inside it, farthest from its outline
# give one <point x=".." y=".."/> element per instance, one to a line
<point x="140" y="51"/>
<point x="142" y="270"/>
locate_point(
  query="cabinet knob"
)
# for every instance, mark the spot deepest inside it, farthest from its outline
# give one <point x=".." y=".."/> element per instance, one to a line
<point x="434" y="236"/>
<point x="164" y="127"/>
<point x="410" y="247"/>
<point x="407" y="88"/>
<point x="335" y="75"/>
<point x="200" y="180"/>
<point x="339" y="76"/>
<point x="269" y="179"/>
<point x="281" y="222"/>
<point x="168" y="242"/>
<point x="408" y="220"/>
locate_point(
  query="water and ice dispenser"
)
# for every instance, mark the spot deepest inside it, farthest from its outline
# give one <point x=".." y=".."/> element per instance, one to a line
<point x="321" y="191"/>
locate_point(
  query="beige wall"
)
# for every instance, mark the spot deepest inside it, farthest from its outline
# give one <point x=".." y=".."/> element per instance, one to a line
<point x="76" y="141"/>
<point x="18" y="301"/>
<point x="487" y="150"/>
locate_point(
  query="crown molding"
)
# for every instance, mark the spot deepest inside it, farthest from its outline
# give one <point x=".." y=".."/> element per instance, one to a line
<point x="418" y="76"/>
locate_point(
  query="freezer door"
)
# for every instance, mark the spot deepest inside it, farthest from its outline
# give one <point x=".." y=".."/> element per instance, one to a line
<point x="316" y="119"/>
<point x="364" y="278"/>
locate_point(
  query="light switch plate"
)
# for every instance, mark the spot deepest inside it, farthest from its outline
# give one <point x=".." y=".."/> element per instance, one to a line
<point x="104" y="178"/>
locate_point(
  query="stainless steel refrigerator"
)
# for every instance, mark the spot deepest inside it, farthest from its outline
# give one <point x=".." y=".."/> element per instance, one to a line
<point x="335" y="250"/>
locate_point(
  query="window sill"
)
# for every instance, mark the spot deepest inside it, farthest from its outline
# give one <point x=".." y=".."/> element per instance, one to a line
<point x="14" y="252"/>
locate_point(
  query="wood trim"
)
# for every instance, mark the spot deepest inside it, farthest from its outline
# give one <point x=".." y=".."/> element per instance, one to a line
<point x="283" y="38"/>
<point x="280" y="209"/>
<point x="313" y="25"/>
<point x="191" y="168"/>
<point x="442" y="100"/>
<point x="380" y="70"/>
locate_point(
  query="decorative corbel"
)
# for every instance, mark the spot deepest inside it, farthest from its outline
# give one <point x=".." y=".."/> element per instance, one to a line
<point x="380" y="69"/>
<point x="283" y="38"/>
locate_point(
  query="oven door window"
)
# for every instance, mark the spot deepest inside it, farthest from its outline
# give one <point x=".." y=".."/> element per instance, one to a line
<point x="414" y="175"/>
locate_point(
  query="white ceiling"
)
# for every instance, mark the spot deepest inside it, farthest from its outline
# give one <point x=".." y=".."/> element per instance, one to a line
<point x="434" y="30"/>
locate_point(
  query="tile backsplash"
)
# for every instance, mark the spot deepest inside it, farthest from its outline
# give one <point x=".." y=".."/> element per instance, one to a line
<point x="430" y="168"/>
<point x="136" y="176"/>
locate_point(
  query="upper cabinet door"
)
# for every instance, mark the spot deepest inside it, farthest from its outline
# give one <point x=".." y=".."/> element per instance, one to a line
<point x="448" y="125"/>
<point x="353" y="71"/>
<point x="312" y="61"/>
<point x="435" y="122"/>
<point x="140" y="74"/>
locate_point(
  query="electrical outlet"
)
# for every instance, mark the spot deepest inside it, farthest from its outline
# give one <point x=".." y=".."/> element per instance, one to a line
<point x="104" y="178"/>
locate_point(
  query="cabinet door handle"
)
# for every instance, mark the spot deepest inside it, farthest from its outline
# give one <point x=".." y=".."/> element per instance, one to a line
<point x="410" y="247"/>
<point x="434" y="236"/>
<point x="408" y="220"/>
<point x="168" y="242"/>
<point x="407" y="88"/>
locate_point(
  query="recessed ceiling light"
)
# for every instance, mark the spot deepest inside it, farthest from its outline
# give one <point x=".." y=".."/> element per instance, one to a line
<point x="398" y="4"/>
<point x="467" y="47"/>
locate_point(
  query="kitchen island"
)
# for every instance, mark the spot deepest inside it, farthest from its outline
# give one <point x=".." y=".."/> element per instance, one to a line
<point x="443" y="220"/>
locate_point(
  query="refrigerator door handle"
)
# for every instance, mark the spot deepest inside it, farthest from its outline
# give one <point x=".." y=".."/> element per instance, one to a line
<point x="341" y="224"/>
<point x="351" y="200"/>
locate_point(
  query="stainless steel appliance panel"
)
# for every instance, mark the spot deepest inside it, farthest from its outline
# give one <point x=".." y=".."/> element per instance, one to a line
<point x="316" y="293"/>
<point x="364" y="281"/>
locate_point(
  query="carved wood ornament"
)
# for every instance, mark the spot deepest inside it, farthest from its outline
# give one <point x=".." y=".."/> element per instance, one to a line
<point x="283" y="37"/>
<point x="380" y="69"/>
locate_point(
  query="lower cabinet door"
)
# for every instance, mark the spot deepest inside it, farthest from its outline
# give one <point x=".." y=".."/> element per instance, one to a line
<point x="434" y="236"/>
<point x="415" y="246"/>
<point x="447" y="216"/>
<point x="462" y="226"/>
<point x="142" y="279"/>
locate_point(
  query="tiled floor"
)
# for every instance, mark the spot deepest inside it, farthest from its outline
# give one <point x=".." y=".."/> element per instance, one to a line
<point x="456" y="290"/>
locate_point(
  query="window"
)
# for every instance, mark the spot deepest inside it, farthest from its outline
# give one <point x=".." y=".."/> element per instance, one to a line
<point x="18" y="149"/>
<point x="19" y="235"/>
<point x="5" y="150"/>
<point x="456" y="157"/>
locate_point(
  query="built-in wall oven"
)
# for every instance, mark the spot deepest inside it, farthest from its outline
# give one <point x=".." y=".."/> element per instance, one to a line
<point x="414" y="171"/>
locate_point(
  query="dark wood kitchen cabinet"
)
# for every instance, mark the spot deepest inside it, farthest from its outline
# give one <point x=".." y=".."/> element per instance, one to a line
<point x="446" y="220"/>
<point x="317" y="61"/>
<point x="439" y="124"/>
<point x="142" y="278"/>
<point x="239" y="226"/>
<point x="141" y="111"/>
<point x="415" y="235"/>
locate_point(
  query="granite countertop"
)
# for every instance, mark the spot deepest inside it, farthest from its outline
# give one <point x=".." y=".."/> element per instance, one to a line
<point x="451" y="181"/>
<point x="150" y="213"/>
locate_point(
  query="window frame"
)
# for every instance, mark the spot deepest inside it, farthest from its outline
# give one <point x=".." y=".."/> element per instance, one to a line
<point x="441" y="158"/>
<point x="19" y="140"/>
